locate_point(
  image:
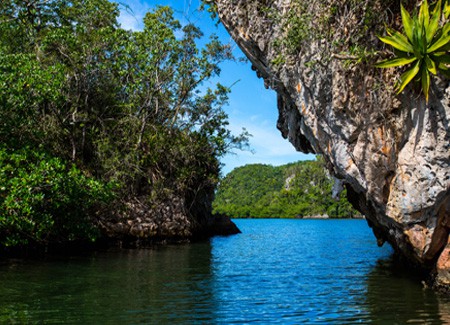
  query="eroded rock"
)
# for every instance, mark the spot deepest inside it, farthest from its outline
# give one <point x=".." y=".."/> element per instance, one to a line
<point x="392" y="152"/>
<point x="171" y="220"/>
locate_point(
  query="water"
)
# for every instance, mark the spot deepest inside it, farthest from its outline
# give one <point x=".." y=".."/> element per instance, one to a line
<point x="277" y="271"/>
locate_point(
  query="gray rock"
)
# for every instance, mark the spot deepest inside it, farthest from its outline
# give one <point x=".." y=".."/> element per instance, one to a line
<point x="392" y="152"/>
<point x="141" y="223"/>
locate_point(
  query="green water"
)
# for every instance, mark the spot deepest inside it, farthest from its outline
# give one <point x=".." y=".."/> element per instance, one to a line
<point x="276" y="271"/>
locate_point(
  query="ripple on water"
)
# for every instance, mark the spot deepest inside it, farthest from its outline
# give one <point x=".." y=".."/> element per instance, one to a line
<point x="276" y="271"/>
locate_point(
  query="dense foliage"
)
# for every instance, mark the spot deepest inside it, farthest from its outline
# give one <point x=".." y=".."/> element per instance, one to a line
<point x="294" y="190"/>
<point x="43" y="199"/>
<point x="81" y="97"/>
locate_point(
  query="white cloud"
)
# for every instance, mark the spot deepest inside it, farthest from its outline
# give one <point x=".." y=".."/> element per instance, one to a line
<point x="132" y="13"/>
<point x="267" y="144"/>
<point x="251" y="106"/>
<point x="129" y="22"/>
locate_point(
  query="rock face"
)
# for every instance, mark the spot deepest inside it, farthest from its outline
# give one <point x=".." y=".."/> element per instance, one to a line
<point x="171" y="220"/>
<point x="391" y="152"/>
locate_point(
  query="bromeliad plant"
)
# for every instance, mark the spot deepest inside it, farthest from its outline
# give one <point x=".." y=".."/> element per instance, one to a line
<point x="425" y="45"/>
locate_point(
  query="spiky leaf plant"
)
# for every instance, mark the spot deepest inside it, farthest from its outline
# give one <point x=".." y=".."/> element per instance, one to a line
<point x="424" y="45"/>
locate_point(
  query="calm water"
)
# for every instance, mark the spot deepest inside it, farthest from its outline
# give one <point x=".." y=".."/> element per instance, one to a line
<point x="277" y="271"/>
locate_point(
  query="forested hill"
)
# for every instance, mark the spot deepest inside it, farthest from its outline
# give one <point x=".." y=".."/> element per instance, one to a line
<point x="295" y="190"/>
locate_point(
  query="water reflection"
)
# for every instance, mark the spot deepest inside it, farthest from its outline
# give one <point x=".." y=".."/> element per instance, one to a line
<point x="285" y="271"/>
<point x="133" y="286"/>
<point x="444" y="309"/>
<point x="396" y="296"/>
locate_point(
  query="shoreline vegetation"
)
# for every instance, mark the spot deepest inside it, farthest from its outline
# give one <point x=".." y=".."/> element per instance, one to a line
<point x="297" y="190"/>
<point x="108" y="134"/>
<point x="109" y="137"/>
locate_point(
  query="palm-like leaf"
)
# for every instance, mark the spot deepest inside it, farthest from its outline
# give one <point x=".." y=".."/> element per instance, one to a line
<point x="425" y="83"/>
<point x="430" y="65"/>
<point x="425" y="45"/>
<point x="399" y="41"/>
<point x="406" y="78"/>
<point x="396" y="62"/>
<point x="440" y="42"/>
<point x="444" y="70"/>
<point x="441" y="57"/>
<point x="408" y="23"/>
<point x="446" y="9"/>
<point x="446" y="29"/>
<point x="434" y="22"/>
<point x="424" y="14"/>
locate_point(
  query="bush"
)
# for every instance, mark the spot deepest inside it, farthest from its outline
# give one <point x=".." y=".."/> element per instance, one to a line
<point x="43" y="199"/>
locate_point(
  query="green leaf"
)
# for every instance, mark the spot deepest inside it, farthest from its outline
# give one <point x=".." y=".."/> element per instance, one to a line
<point x="424" y="44"/>
<point x="406" y="78"/>
<point x="434" y="22"/>
<point x="440" y="42"/>
<point x="389" y="30"/>
<point x="396" y="62"/>
<point x="424" y="14"/>
<point x="445" y="30"/>
<point x="398" y="41"/>
<point x="408" y="23"/>
<point x="447" y="9"/>
<point x="444" y="70"/>
<point x="425" y="83"/>
<point x="417" y="43"/>
<point x="431" y="66"/>
<point x="441" y="57"/>
<point x="444" y="48"/>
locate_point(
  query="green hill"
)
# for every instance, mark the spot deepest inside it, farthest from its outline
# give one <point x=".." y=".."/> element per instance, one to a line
<point x="295" y="190"/>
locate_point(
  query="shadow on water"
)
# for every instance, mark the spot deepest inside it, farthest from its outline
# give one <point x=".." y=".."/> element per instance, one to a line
<point x="395" y="295"/>
<point x="276" y="271"/>
<point x="130" y="286"/>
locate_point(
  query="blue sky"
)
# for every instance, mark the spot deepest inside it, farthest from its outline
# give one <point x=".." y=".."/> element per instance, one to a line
<point x="251" y="106"/>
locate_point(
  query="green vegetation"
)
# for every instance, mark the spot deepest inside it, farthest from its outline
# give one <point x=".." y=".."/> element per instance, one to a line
<point x="93" y="116"/>
<point x="425" y="46"/>
<point x="45" y="200"/>
<point x="344" y="28"/>
<point x="347" y="30"/>
<point x="293" y="190"/>
<point x="350" y="29"/>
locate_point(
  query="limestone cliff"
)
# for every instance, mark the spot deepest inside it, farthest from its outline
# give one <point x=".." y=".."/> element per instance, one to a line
<point x="391" y="152"/>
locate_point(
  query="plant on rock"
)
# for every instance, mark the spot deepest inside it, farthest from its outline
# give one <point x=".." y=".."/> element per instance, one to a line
<point x="424" y="45"/>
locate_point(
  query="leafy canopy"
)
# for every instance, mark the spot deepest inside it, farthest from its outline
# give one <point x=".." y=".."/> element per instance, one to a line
<point x="424" y="46"/>
<point x="43" y="199"/>
<point x="131" y="108"/>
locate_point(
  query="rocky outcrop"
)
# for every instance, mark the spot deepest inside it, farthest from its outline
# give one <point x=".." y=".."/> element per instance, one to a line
<point x="171" y="220"/>
<point x="391" y="152"/>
